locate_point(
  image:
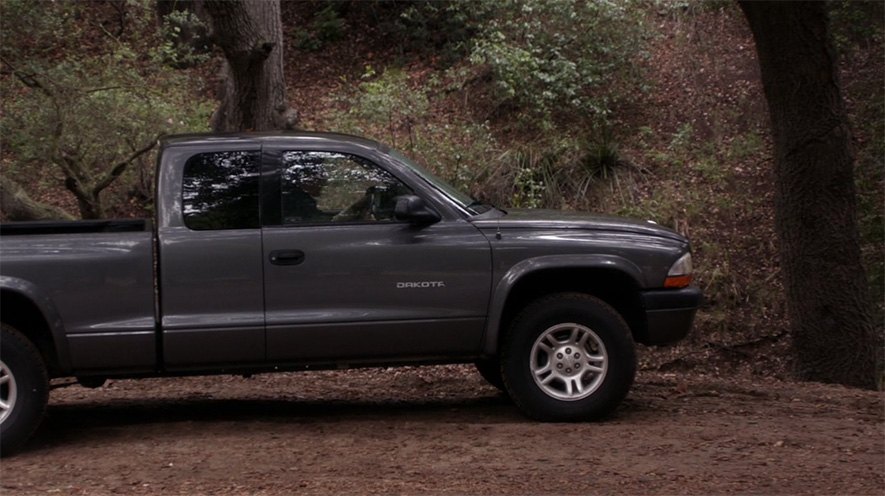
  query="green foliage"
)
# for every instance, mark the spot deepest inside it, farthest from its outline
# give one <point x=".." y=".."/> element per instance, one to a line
<point x="390" y="109"/>
<point x="682" y="138"/>
<point x="746" y="145"/>
<point x="464" y="153"/>
<point x="602" y="155"/>
<point x="184" y="40"/>
<point x="542" y="171"/>
<point x="529" y="185"/>
<point x="95" y="114"/>
<point x="75" y="115"/>
<point x="554" y="56"/>
<point x="543" y="174"/>
<point x="444" y="27"/>
<point x="384" y="102"/>
<point x="855" y="23"/>
<point x="326" y="26"/>
<point x="37" y="29"/>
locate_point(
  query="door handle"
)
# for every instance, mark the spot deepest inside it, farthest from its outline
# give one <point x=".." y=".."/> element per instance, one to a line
<point x="286" y="257"/>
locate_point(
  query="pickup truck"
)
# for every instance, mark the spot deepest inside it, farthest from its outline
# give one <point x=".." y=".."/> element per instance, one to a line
<point x="303" y="251"/>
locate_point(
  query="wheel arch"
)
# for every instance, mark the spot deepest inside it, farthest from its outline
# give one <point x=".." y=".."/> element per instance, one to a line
<point x="613" y="279"/>
<point x="33" y="314"/>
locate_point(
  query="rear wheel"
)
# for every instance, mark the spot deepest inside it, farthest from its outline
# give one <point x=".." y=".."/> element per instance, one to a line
<point x="24" y="389"/>
<point x="568" y="357"/>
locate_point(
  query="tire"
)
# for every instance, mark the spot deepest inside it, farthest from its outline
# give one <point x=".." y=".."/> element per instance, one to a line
<point x="24" y="389"/>
<point x="490" y="370"/>
<point x="568" y="357"/>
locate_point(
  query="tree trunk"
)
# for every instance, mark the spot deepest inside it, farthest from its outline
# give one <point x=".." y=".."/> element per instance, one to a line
<point x="250" y="34"/>
<point x="834" y="336"/>
<point x="17" y="205"/>
<point x="89" y="202"/>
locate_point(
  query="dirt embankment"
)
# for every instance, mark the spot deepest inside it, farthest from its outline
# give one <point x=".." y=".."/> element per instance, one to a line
<point x="441" y="430"/>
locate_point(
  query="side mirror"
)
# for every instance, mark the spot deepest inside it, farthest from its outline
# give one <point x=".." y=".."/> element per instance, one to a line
<point x="412" y="208"/>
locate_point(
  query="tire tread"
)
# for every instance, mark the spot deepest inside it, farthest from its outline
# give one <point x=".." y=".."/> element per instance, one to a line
<point x="12" y="441"/>
<point x="581" y="299"/>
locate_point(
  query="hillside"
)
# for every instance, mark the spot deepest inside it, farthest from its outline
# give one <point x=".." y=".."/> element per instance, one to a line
<point x="675" y="130"/>
<point x="693" y="152"/>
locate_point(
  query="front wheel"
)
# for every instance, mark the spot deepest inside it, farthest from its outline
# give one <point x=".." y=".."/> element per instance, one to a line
<point x="568" y="357"/>
<point x="24" y="389"/>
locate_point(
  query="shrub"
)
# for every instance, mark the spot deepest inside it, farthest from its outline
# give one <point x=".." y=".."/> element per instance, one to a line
<point x="446" y="27"/>
<point x="385" y="106"/>
<point x="185" y="40"/>
<point x="390" y="109"/>
<point x="85" y="118"/>
<point x="326" y="26"/>
<point x="555" y="56"/>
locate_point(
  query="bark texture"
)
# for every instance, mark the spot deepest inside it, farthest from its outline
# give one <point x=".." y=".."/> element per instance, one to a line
<point x="250" y="34"/>
<point x="834" y="336"/>
<point x="17" y="205"/>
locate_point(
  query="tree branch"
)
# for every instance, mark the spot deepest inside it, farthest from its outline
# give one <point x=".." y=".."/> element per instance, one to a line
<point x="17" y="205"/>
<point x="27" y="79"/>
<point x="70" y="167"/>
<point x="118" y="169"/>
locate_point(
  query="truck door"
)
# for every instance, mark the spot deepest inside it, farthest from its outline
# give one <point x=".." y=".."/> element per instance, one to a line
<point x="345" y="281"/>
<point x="210" y="269"/>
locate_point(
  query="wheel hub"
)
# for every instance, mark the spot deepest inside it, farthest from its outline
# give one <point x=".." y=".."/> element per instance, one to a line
<point x="568" y="361"/>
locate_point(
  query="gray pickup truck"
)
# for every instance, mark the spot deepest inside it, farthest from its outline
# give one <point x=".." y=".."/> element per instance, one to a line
<point x="274" y="252"/>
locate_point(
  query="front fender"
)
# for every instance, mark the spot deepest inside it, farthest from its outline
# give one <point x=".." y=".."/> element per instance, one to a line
<point x="536" y="264"/>
<point x="49" y="313"/>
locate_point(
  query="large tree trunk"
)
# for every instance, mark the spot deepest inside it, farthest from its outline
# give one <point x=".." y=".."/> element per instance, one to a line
<point x="251" y="35"/>
<point x="834" y="336"/>
<point x="17" y="205"/>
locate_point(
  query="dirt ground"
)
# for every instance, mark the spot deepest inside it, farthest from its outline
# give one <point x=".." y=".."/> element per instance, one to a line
<point x="441" y="430"/>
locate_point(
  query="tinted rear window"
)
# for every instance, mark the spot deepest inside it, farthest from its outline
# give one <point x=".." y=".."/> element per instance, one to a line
<point x="220" y="190"/>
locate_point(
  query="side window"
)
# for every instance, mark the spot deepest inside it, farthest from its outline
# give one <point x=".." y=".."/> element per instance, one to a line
<point x="321" y="187"/>
<point x="220" y="190"/>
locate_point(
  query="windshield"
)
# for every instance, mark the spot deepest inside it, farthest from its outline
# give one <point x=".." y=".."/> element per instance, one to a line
<point x="463" y="200"/>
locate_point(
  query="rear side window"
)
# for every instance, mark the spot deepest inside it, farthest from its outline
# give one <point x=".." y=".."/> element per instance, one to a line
<point x="220" y="190"/>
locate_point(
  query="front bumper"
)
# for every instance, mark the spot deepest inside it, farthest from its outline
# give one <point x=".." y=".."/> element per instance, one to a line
<point x="669" y="314"/>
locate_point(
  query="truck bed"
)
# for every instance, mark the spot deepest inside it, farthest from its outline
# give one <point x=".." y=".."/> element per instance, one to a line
<point x="94" y="282"/>
<point x="75" y="226"/>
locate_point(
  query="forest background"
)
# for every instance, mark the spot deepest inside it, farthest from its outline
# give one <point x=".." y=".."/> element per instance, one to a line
<point x="651" y="110"/>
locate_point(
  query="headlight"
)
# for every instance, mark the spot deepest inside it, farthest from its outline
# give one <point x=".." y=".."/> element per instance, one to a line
<point x="679" y="275"/>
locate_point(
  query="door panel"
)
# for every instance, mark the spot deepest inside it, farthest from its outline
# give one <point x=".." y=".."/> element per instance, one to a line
<point x="359" y="284"/>
<point x="211" y="267"/>
<point x="370" y="291"/>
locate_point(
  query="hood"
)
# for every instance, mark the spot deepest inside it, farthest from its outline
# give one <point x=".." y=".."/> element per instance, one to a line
<point x="561" y="219"/>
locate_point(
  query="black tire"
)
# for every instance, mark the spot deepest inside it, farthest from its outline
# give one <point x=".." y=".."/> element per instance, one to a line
<point x="490" y="370"/>
<point x="25" y="384"/>
<point x="536" y="345"/>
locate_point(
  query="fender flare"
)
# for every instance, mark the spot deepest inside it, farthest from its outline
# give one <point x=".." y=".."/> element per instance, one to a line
<point x="49" y="313"/>
<point x="536" y="264"/>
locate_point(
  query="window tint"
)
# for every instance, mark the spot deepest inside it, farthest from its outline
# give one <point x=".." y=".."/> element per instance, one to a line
<point x="320" y="187"/>
<point x="220" y="190"/>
